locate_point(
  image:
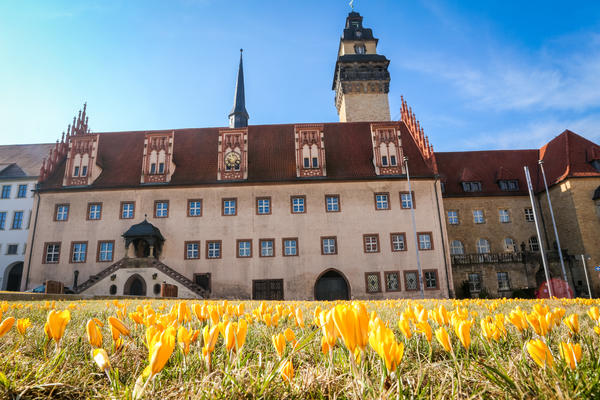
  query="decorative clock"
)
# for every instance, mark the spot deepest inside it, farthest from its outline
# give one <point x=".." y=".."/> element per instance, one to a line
<point x="232" y="160"/>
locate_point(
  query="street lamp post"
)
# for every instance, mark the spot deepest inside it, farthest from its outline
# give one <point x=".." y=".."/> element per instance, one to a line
<point x="587" y="280"/>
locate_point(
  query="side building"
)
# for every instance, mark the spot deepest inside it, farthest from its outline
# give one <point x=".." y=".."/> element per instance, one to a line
<point x="19" y="170"/>
<point x="493" y="242"/>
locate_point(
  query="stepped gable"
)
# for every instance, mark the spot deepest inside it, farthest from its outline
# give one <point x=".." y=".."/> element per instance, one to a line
<point x="486" y="167"/>
<point x="416" y="132"/>
<point x="271" y="155"/>
<point x="569" y="155"/>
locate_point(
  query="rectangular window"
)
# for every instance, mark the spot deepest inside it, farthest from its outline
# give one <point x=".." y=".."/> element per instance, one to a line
<point x="382" y="201"/>
<point x="478" y="217"/>
<point x="509" y="185"/>
<point x="431" y="281"/>
<point x="195" y="208"/>
<point x="471" y="186"/>
<point x="84" y="170"/>
<point x="51" y="253"/>
<point x="267" y="247"/>
<point x="192" y="250"/>
<point x="503" y="283"/>
<point x="398" y="241"/>
<point x="267" y="289"/>
<point x="474" y="283"/>
<point x="411" y="280"/>
<point x="61" y="212"/>
<point x="94" y="211"/>
<point x="153" y="168"/>
<point x="504" y="216"/>
<point x="453" y="217"/>
<point x="315" y="162"/>
<point x="263" y="205"/>
<point x="127" y="209"/>
<point x="213" y="249"/>
<point x="229" y="207"/>
<point x="161" y="168"/>
<point x="76" y="171"/>
<point x="17" y="222"/>
<point x="6" y="191"/>
<point x="298" y="204"/>
<point x="161" y="208"/>
<point x="105" y="250"/>
<point x="372" y="282"/>
<point x="393" y="160"/>
<point x="392" y="281"/>
<point x="22" y="193"/>
<point x="529" y="215"/>
<point x="384" y="161"/>
<point x="2" y="220"/>
<point x="328" y="245"/>
<point x="371" y="243"/>
<point x="244" y="248"/>
<point x="332" y="202"/>
<point x="12" y="249"/>
<point x="425" y="241"/>
<point x="407" y="200"/>
<point x="306" y="162"/>
<point x="78" y="252"/>
<point x="290" y="247"/>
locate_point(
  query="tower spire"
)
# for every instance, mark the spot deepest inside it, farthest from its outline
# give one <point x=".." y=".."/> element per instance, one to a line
<point x="238" y="117"/>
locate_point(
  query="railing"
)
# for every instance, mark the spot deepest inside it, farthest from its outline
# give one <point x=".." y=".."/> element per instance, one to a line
<point x="487" y="258"/>
<point x="365" y="76"/>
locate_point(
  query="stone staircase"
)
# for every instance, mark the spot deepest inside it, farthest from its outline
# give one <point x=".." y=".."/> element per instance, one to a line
<point x="143" y="263"/>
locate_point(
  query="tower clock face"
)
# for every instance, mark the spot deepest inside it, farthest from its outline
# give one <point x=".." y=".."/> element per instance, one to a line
<point x="232" y="160"/>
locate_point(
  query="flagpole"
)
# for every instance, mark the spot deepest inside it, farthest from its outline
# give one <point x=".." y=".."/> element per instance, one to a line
<point x="562" y="262"/>
<point x="537" y="229"/>
<point x="412" y="214"/>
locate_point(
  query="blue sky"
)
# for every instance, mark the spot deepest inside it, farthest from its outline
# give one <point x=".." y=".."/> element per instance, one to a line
<point x="478" y="74"/>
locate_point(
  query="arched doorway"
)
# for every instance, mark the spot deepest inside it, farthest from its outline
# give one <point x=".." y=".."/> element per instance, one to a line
<point x="13" y="277"/>
<point x="332" y="285"/>
<point x="135" y="286"/>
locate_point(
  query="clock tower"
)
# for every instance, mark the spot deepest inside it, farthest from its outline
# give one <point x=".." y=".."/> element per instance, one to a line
<point x="361" y="80"/>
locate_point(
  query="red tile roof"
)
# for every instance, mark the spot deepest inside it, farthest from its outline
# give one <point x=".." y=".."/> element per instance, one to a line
<point x="271" y="155"/>
<point x="565" y="156"/>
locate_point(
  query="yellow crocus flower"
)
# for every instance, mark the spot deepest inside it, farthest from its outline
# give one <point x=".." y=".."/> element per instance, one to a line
<point x="442" y="336"/>
<point x="540" y="353"/>
<point x="572" y="322"/>
<point x="94" y="335"/>
<point x="571" y="353"/>
<point x="6" y="325"/>
<point x="22" y="325"/>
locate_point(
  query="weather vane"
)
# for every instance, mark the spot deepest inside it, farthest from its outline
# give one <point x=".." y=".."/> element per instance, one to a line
<point x="352" y="4"/>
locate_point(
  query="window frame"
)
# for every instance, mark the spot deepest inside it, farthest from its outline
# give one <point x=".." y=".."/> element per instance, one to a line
<point x="185" y="249"/>
<point x="457" y="217"/>
<point x="14" y="219"/>
<point x="283" y="247"/>
<point x="223" y="200"/>
<point x="525" y="211"/>
<point x="71" y="261"/>
<point x="462" y="247"/>
<point x="371" y="235"/>
<point x="412" y="199"/>
<point x="477" y="247"/>
<point x="479" y="279"/>
<point x="260" y="248"/>
<point x="437" y="280"/>
<point x="385" y="279"/>
<point x="335" y="244"/>
<point x="262" y="198"/>
<point x="207" y="253"/>
<point x="416" y="272"/>
<point x="45" y="253"/>
<point x="89" y="208"/>
<point x="339" y="204"/>
<point x="19" y="191"/>
<point x="389" y="203"/>
<point x="121" y="209"/>
<point x="8" y="248"/>
<point x="482" y="216"/>
<point x="298" y="196"/>
<point x="403" y="234"/>
<point x="156" y="203"/>
<point x="98" y="248"/>
<point x="430" y="240"/>
<point x="56" y="207"/>
<point x="376" y="273"/>
<point x="237" y="248"/>
<point x="189" y="207"/>
<point x="8" y="192"/>
<point x="4" y="215"/>
<point x="500" y="210"/>
<point x="507" y="281"/>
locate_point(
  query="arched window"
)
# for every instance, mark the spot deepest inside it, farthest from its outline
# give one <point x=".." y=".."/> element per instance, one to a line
<point x="456" y="247"/>
<point x="483" y="246"/>
<point x="533" y="244"/>
<point x="360" y="48"/>
<point x="153" y="162"/>
<point x="509" y="245"/>
<point x="76" y="164"/>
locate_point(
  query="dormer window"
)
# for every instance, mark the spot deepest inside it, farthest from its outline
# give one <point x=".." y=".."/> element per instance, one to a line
<point x="386" y="149"/>
<point x="310" y="151"/>
<point x="511" y="185"/>
<point x="471" y="186"/>
<point x="157" y="165"/>
<point x="81" y="166"/>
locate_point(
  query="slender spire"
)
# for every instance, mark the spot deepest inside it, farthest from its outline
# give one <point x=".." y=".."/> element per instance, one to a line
<point x="238" y="117"/>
